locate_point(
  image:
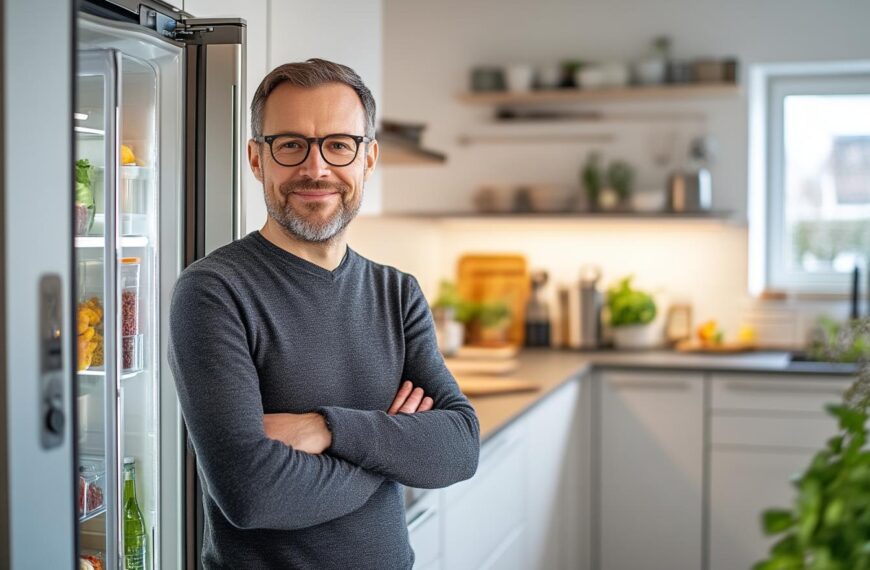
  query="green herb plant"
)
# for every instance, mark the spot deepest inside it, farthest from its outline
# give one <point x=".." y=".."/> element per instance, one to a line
<point x="629" y="306"/>
<point x="448" y="298"/>
<point x="829" y="526"/>
<point x="836" y="341"/>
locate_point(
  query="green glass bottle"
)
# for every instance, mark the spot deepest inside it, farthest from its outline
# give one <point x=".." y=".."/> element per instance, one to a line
<point x="134" y="524"/>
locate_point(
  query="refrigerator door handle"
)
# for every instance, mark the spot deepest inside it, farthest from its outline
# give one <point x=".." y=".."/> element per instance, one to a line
<point x="107" y="63"/>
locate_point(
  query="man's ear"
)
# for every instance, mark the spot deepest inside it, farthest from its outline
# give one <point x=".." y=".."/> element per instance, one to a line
<point x="371" y="159"/>
<point x="254" y="159"/>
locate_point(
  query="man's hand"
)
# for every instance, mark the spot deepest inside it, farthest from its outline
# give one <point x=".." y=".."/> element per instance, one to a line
<point x="308" y="432"/>
<point x="302" y="432"/>
<point x="410" y="400"/>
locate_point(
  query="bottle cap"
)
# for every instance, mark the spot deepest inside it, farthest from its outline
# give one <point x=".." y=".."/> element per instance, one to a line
<point x="129" y="460"/>
<point x="130" y="260"/>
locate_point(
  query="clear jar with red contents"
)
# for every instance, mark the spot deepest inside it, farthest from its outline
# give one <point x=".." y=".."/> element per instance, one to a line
<point x="131" y="340"/>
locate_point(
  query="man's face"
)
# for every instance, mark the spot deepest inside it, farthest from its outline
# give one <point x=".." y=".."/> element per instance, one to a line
<point x="313" y="201"/>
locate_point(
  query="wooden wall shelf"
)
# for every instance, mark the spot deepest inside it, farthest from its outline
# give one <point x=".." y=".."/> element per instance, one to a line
<point x="605" y="95"/>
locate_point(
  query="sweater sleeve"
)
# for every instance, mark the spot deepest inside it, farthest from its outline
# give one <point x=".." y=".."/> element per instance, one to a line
<point x="257" y="482"/>
<point x="429" y="449"/>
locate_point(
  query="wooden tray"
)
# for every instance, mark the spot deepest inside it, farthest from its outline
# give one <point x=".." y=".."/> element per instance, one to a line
<point x="497" y="277"/>
<point x="722" y="348"/>
<point x="491" y="386"/>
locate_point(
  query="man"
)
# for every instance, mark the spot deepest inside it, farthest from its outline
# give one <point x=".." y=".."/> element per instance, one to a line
<point x="309" y="376"/>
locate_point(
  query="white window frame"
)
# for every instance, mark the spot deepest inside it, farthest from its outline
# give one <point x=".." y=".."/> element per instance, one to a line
<point x="768" y="86"/>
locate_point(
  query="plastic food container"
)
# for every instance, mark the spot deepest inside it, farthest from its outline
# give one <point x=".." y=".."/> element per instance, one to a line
<point x="132" y="352"/>
<point x="129" y="296"/>
<point x="92" y="481"/>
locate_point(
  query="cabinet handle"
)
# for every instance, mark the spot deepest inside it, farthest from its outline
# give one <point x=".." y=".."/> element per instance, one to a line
<point x="420" y="518"/>
<point x="774" y="389"/>
<point x="649" y="384"/>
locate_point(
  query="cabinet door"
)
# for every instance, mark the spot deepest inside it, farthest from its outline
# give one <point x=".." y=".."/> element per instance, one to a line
<point x="651" y="458"/>
<point x="424" y="529"/>
<point x="744" y="483"/>
<point x="554" y="536"/>
<point x="480" y="513"/>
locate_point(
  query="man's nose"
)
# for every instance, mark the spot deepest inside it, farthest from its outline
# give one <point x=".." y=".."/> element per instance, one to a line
<point x="314" y="166"/>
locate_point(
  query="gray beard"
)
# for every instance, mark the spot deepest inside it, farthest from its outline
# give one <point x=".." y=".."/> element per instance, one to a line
<point x="304" y="229"/>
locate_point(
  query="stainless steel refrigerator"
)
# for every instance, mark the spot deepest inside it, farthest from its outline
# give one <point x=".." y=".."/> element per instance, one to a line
<point x="148" y="137"/>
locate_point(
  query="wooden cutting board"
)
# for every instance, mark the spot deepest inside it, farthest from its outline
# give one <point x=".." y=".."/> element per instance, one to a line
<point x="721" y="348"/>
<point x="497" y="277"/>
<point x="492" y="386"/>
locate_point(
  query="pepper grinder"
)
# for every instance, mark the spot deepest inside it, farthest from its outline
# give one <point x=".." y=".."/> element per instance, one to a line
<point x="537" y="313"/>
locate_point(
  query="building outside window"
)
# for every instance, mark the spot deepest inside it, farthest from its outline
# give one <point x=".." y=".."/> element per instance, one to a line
<point x="809" y="176"/>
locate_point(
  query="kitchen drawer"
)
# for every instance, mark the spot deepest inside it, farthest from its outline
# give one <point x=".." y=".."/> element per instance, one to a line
<point x="492" y="454"/>
<point x="424" y="534"/>
<point x="509" y="555"/>
<point x="776" y="393"/>
<point x="481" y="512"/>
<point x="809" y="431"/>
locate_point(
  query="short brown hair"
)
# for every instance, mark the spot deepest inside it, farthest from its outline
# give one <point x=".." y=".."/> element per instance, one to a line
<point x="311" y="73"/>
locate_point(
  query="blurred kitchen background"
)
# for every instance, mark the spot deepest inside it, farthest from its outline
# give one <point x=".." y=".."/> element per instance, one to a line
<point x="659" y="77"/>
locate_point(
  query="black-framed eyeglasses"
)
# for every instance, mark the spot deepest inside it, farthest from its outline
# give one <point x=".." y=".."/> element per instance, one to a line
<point x="290" y="149"/>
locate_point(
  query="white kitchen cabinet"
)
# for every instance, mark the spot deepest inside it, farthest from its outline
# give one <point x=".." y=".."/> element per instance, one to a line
<point x="555" y="485"/>
<point x="764" y="430"/>
<point x="424" y="529"/>
<point x="480" y="515"/>
<point x="650" y="470"/>
<point x="743" y="483"/>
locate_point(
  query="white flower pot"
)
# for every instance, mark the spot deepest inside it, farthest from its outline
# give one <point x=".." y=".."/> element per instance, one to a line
<point x="635" y="336"/>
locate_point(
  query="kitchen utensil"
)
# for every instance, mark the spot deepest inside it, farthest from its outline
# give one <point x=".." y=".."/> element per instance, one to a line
<point x="496" y="277"/>
<point x="690" y="191"/>
<point x="590" y="307"/>
<point x="537" y="313"/>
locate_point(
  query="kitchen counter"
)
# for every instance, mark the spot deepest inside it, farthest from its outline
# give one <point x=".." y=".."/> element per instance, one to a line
<point x="550" y="369"/>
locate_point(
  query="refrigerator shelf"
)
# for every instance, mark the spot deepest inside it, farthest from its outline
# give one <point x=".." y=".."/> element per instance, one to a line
<point x="100" y="241"/>
<point x="93" y="514"/>
<point x="89" y="132"/>
<point x="100" y="371"/>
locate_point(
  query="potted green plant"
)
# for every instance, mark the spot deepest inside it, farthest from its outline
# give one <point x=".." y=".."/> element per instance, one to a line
<point x="452" y="314"/>
<point x="493" y="320"/>
<point x="630" y="313"/>
<point x="829" y="526"/>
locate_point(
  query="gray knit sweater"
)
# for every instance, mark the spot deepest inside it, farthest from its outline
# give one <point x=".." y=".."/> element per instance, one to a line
<point x="255" y="329"/>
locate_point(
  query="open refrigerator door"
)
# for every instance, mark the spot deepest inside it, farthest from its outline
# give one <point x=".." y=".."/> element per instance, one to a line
<point x="128" y="151"/>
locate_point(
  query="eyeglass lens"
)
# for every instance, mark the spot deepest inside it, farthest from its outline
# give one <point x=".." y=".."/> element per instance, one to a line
<point x="337" y="150"/>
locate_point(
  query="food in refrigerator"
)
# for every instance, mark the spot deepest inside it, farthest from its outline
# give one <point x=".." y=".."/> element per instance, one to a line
<point x="127" y="156"/>
<point x="90" y="316"/>
<point x="91" y="482"/>
<point x="91" y="562"/>
<point x="84" y="198"/>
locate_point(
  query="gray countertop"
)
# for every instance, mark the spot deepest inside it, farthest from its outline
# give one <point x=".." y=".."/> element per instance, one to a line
<point x="550" y="369"/>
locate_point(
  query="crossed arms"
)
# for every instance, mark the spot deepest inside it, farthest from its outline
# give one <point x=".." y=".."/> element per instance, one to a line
<point x="251" y="465"/>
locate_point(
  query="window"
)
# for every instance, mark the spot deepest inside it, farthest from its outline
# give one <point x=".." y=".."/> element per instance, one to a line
<point x="809" y="176"/>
